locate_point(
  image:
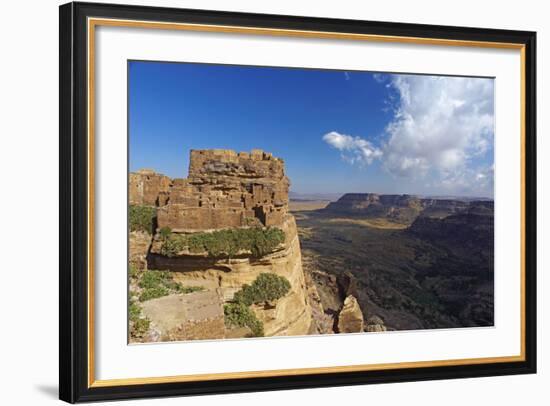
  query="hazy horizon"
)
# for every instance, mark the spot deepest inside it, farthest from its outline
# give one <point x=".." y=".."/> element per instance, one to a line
<point x="337" y="131"/>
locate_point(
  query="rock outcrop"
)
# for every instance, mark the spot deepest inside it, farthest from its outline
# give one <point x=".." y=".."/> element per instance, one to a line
<point x="322" y="322"/>
<point x="187" y="317"/>
<point x="140" y="242"/>
<point x="397" y="208"/>
<point x="225" y="190"/>
<point x="290" y="315"/>
<point x="350" y="318"/>
<point x="400" y="208"/>
<point x="148" y="188"/>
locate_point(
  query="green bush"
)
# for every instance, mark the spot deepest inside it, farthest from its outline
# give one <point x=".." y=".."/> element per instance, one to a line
<point x="153" y="279"/>
<point x="240" y="315"/>
<point x="266" y="287"/>
<point x="165" y="232"/>
<point x="139" y="328"/>
<point x="134" y="310"/>
<point x="153" y="293"/>
<point x="134" y="272"/>
<point x="225" y="243"/>
<point x="173" y="244"/>
<point x="141" y="218"/>
<point x="161" y="283"/>
<point x="188" y="289"/>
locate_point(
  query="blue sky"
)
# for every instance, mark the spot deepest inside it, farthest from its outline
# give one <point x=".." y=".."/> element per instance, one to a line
<point x="338" y="131"/>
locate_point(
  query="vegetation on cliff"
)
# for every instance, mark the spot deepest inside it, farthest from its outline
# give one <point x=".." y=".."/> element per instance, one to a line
<point x="223" y="243"/>
<point x="240" y="315"/>
<point x="139" y="326"/>
<point x="266" y="287"/>
<point x="154" y="284"/>
<point x="436" y="273"/>
<point x="141" y="218"/>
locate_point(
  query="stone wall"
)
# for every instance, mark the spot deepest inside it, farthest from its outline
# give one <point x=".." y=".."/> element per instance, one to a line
<point x="148" y="188"/>
<point x="223" y="189"/>
<point x="227" y="189"/>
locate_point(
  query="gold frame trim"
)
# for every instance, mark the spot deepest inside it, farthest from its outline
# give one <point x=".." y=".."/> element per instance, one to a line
<point x="94" y="22"/>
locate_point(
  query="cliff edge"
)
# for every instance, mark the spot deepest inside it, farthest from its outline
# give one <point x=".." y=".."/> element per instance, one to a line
<point x="218" y="231"/>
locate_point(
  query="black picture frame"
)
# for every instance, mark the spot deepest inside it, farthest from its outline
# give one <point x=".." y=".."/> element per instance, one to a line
<point x="73" y="284"/>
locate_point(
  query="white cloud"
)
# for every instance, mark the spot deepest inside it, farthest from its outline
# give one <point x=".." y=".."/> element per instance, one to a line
<point x="472" y="181"/>
<point x="440" y="125"/>
<point x="440" y="133"/>
<point x="353" y="149"/>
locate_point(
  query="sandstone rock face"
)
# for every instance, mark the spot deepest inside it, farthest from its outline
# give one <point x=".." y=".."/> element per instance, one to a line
<point x="192" y="316"/>
<point x="322" y="323"/>
<point x="148" y="188"/>
<point x="226" y="189"/>
<point x="350" y="319"/>
<point x="290" y="315"/>
<point x="347" y="284"/>
<point x="139" y="243"/>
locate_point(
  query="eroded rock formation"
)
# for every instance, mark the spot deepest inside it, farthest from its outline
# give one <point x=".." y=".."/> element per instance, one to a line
<point x="224" y="190"/>
<point x="146" y="187"/>
<point x="140" y="243"/>
<point x="350" y="318"/>
<point x="191" y="316"/>
<point x="398" y="208"/>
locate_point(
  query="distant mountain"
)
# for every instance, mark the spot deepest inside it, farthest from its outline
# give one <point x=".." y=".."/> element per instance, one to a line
<point x="397" y="208"/>
<point x="417" y="262"/>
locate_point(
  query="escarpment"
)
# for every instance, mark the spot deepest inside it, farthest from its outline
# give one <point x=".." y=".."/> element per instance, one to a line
<point x="218" y="231"/>
<point x="411" y="262"/>
<point x="397" y="208"/>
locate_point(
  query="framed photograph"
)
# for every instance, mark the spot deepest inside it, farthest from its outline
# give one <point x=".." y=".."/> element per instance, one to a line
<point x="258" y="202"/>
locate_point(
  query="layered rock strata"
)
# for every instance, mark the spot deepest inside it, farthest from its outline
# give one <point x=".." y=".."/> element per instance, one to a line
<point x="399" y="208"/>
<point x="148" y="188"/>
<point x="224" y="190"/>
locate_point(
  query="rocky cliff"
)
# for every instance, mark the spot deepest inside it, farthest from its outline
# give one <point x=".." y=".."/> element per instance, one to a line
<point x="212" y="232"/>
<point x="146" y="187"/>
<point x="398" y="208"/>
<point x="433" y="269"/>
<point x="226" y="189"/>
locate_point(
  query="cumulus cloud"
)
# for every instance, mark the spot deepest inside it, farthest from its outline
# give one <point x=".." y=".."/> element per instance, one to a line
<point x="466" y="180"/>
<point x="441" y="131"/>
<point x="440" y="124"/>
<point x="353" y="149"/>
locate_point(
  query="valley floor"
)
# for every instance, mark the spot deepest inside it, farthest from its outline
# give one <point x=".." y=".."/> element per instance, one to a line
<point x="408" y="281"/>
